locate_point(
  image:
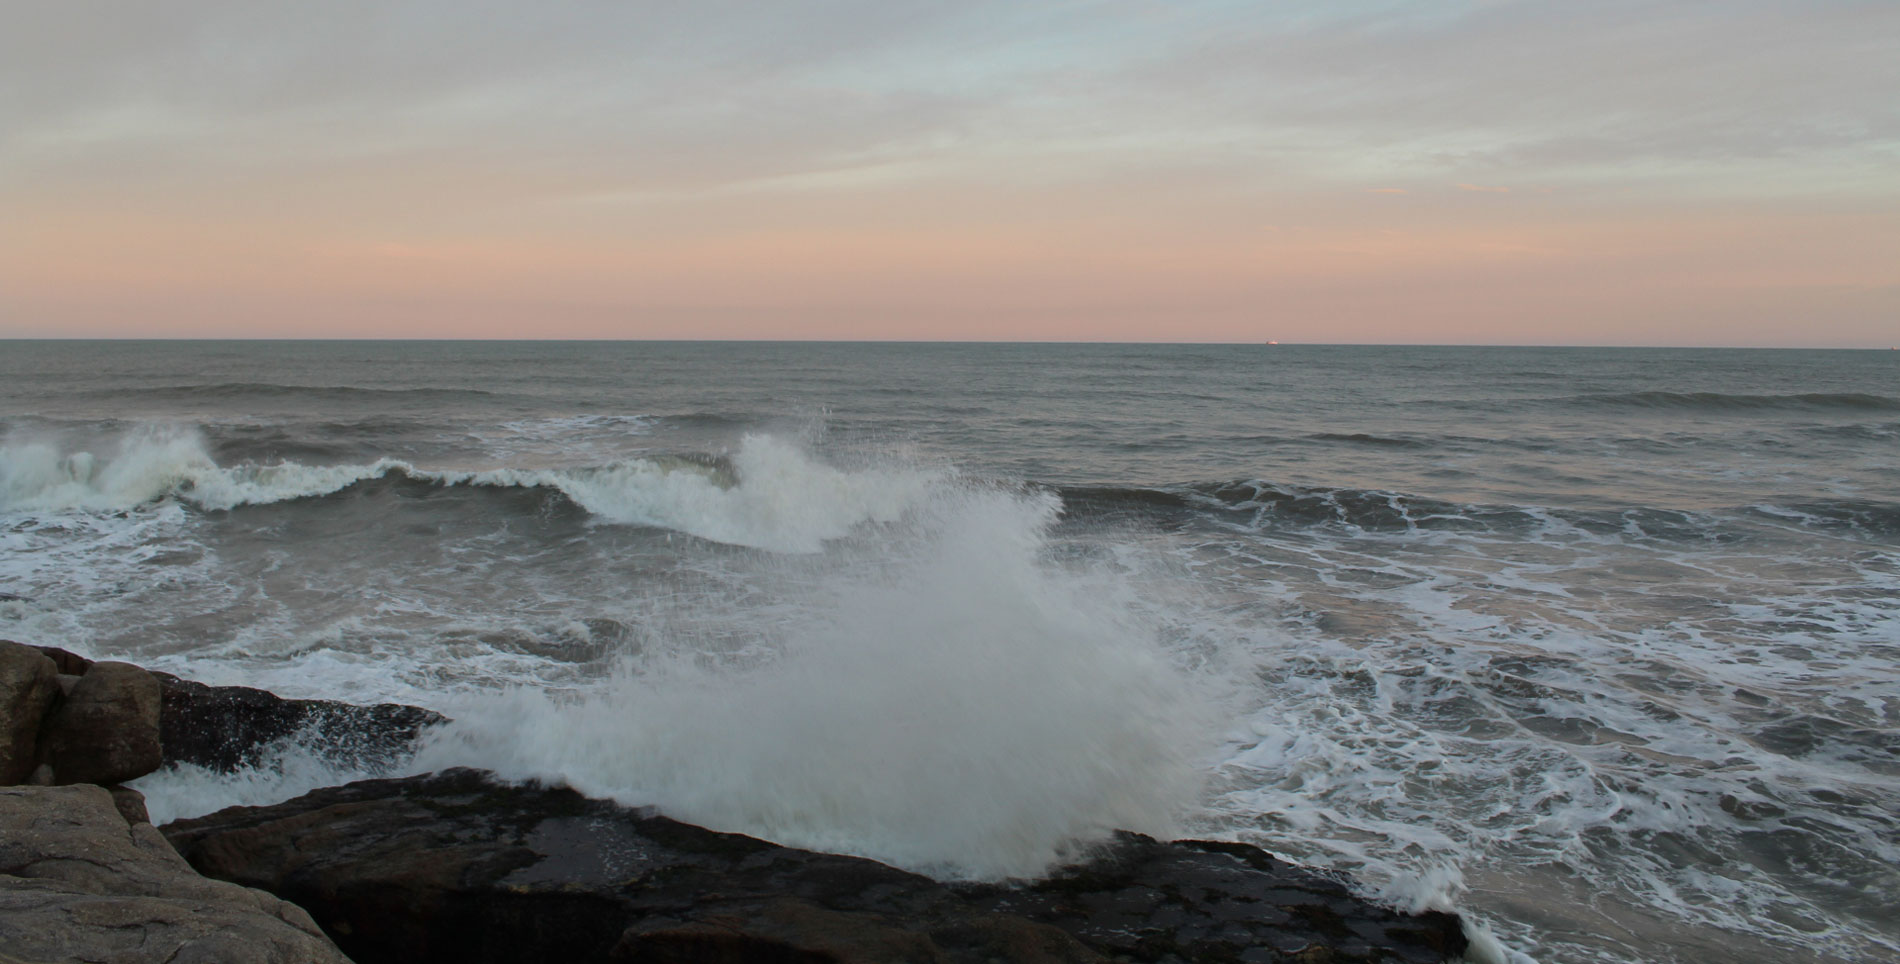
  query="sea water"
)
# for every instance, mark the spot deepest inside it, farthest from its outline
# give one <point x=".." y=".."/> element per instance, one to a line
<point x="1600" y="647"/>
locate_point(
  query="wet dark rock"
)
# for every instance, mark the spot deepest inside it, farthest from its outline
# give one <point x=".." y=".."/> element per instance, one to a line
<point x="224" y="727"/>
<point x="456" y="867"/>
<point x="105" y="730"/>
<point x="28" y="686"/>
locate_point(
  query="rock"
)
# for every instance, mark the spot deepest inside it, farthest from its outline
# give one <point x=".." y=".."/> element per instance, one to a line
<point x="106" y="730"/>
<point x="27" y="689"/>
<point x="1219" y="900"/>
<point x="224" y="727"/>
<point x="456" y="867"/>
<point x="131" y="804"/>
<point x="69" y="662"/>
<point x="77" y="884"/>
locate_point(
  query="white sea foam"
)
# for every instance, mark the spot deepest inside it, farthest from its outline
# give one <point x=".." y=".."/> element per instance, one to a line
<point x="1560" y="707"/>
<point x="1579" y="716"/>
<point x="968" y="709"/>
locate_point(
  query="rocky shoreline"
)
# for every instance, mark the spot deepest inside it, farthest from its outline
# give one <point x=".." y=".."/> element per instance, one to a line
<point x="459" y="866"/>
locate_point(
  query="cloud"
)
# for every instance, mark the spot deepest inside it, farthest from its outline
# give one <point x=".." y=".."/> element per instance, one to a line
<point x="475" y="133"/>
<point x="636" y="96"/>
<point x="1621" y="90"/>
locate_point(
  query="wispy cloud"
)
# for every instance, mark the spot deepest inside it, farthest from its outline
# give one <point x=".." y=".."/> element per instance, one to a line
<point x="1097" y="149"/>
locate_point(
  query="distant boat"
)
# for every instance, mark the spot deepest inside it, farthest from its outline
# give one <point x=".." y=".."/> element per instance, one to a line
<point x="1273" y="343"/>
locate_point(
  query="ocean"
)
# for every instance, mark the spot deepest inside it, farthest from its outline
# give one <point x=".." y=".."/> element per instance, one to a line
<point x="1600" y="647"/>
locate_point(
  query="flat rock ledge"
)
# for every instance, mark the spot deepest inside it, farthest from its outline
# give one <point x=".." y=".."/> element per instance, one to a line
<point x="80" y="883"/>
<point x="459" y="867"/>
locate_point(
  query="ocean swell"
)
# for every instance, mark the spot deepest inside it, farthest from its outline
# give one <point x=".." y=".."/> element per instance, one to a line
<point x="305" y="394"/>
<point x="1717" y="403"/>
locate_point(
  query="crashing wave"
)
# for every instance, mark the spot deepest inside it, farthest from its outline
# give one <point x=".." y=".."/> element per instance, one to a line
<point x="774" y="496"/>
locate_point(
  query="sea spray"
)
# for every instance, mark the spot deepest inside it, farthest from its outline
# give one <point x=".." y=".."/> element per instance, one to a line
<point x="962" y="707"/>
<point x="44" y="473"/>
<point x="280" y="771"/>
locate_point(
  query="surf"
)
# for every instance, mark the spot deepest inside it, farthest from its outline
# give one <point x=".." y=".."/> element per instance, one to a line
<point x="769" y="493"/>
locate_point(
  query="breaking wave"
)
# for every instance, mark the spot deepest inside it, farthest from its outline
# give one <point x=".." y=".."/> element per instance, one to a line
<point x="955" y="705"/>
<point x="769" y="494"/>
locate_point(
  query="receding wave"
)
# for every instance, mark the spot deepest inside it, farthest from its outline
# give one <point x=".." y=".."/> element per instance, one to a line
<point x="1878" y="520"/>
<point x="770" y="494"/>
<point x="1717" y="402"/>
<point x="1256" y="502"/>
<point x="1259" y="504"/>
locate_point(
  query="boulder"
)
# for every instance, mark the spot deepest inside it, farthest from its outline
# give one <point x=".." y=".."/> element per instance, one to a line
<point x="224" y="727"/>
<point x="28" y="686"/>
<point x="106" y="729"/>
<point x="78" y="884"/>
<point x="458" y="867"/>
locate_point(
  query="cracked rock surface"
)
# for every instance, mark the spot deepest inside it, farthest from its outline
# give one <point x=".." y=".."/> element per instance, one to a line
<point x="80" y="883"/>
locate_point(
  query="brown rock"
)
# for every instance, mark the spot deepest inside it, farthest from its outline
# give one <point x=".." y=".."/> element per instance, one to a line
<point x="131" y="804"/>
<point x="69" y="662"/>
<point x="106" y="731"/>
<point x="27" y="688"/>
<point x="77" y="884"/>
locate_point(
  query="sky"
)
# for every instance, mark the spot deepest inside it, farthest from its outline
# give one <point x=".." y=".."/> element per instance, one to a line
<point x="1634" y="172"/>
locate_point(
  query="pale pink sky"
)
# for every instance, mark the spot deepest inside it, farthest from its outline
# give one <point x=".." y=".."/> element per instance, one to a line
<point x="1650" y="172"/>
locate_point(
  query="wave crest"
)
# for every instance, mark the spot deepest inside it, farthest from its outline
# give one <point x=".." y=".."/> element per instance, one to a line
<point x="771" y="494"/>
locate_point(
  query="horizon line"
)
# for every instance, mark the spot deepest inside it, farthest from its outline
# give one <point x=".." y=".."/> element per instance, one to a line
<point x="934" y="341"/>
